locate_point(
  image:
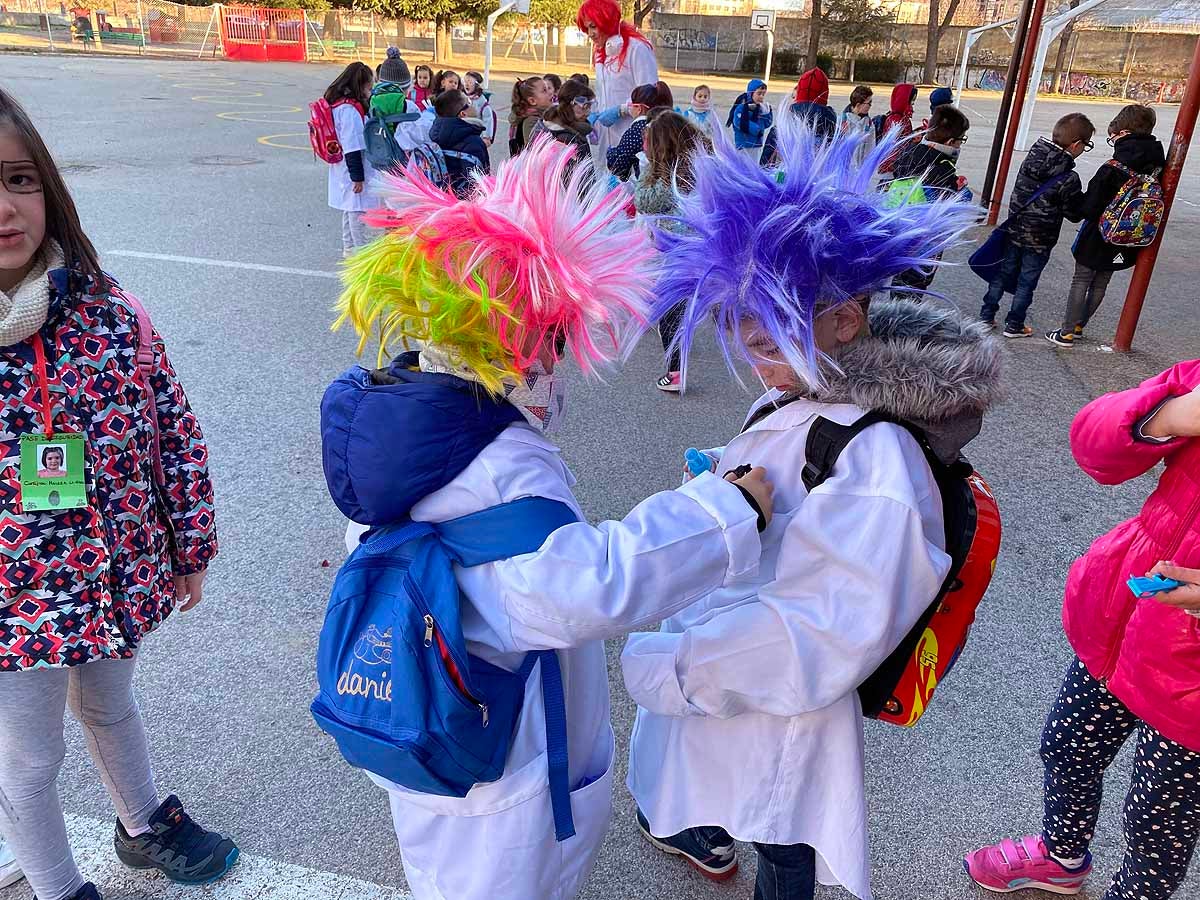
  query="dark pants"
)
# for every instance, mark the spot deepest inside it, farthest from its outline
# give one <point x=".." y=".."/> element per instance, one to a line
<point x="1086" y="295"/>
<point x="667" y="326"/>
<point x="1022" y="266"/>
<point x="785" y="872"/>
<point x="1084" y="732"/>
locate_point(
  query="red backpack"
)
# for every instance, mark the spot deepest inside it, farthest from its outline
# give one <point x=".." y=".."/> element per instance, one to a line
<point x="900" y="689"/>
<point x="322" y="133"/>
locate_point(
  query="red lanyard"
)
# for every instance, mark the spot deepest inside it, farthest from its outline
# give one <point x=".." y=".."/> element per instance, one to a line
<point x="39" y="367"/>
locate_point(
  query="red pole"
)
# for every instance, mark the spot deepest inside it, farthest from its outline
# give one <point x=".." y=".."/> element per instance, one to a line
<point x="1018" y="103"/>
<point x="1185" y="125"/>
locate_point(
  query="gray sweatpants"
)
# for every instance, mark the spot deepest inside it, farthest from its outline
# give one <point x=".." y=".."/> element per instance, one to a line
<point x="355" y="232"/>
<point x="32" y="750"/>
<point x="1086" y="295"/>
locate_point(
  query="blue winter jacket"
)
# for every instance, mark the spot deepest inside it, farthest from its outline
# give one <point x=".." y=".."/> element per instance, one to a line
<point x="393" y="436"/>
<point x="750" y="121"/>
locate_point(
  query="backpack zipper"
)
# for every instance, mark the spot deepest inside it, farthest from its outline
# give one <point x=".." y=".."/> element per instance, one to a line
<point x="1176" y="540"/>
<point x="452" y="669"/>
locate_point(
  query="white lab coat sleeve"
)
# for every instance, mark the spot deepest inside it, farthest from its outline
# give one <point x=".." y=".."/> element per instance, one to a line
<point x="592" y="582"/>
<point x="854" y="575"/>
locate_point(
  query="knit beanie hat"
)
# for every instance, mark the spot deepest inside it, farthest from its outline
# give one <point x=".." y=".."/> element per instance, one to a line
<point x="395" y="69"/>
<point x="813" y="87"/>
<point x="940" y="97"/>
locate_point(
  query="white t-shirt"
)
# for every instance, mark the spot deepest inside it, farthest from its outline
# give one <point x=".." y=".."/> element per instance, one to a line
<point x="348" y="122"/>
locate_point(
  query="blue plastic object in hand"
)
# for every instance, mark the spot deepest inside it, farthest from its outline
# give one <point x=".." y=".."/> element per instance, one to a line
<point x="697" y="462"/>
<point x="1151" y="585"/>
<point x="609" y="117"/>
<point x="592" y="117"/>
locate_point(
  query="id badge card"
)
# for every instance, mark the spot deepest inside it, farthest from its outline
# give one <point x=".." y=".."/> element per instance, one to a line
<point x="52" y="472"/>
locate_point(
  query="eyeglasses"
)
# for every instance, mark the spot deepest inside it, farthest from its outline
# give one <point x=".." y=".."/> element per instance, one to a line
<point x="584" y="102"/>
<point x="20" y="177"/>
<point x="1088" y="145"/>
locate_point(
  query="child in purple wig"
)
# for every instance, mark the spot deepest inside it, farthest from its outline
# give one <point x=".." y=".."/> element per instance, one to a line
<point x="748" y="725"/>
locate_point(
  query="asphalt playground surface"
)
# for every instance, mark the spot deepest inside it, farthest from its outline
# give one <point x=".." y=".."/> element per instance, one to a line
<point x="197" y="185"/>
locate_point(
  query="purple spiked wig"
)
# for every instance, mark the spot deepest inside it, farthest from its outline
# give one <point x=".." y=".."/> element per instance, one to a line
<point x="779" y="245"/>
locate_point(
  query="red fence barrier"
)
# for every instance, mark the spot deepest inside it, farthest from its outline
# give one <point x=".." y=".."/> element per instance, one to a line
<point x="252" y="33"/>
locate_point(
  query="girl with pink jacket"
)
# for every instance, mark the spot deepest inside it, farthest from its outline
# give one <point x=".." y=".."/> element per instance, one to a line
<point x="1138" y="662"/>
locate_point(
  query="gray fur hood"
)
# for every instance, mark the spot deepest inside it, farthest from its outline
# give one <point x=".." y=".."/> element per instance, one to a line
<point x="925" y="364"/>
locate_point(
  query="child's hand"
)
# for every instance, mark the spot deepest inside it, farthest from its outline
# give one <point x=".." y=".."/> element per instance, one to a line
<point x="1186" y="597"/>
<point x="759" y="490"/>
<point x="1178" y="417"/>
<point x="189" y="590"/>
<point x="358" y="187"/>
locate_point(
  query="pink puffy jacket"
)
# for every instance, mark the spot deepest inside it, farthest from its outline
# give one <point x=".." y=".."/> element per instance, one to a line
<point x="1148" y="653"/>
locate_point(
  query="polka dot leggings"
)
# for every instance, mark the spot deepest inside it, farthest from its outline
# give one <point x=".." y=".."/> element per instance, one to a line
<point x="1085" y="730"/>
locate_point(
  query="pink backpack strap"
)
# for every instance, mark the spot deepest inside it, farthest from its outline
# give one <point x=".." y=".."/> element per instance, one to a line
<point x="145" y="368"/>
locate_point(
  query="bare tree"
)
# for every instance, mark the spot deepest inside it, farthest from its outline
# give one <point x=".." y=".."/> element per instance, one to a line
<point x="1063" y="42"/>
<point x="934" y="36"/>
<point x="814" y="35"/>
<point x="641" y="9"/>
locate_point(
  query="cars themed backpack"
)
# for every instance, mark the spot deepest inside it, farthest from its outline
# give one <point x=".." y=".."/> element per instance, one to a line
<point x="901" y="688"/>
<point x="1133" y="217"/>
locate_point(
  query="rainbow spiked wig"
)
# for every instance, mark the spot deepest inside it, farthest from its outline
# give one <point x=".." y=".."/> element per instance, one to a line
<point x="530" y="260"/>
<point x="778" y="245"/>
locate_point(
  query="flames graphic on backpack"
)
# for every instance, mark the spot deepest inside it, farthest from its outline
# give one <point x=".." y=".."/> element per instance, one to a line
<point x="1134" y="216"/>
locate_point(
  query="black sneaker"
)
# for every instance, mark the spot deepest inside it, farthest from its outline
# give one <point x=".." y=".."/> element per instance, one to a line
<point x="177" y="847"/>
<point x="709" y="849"/>
<point x="1058" y="339"/>
<point x="87" y="892"/>
<point x="1017" y="331"/>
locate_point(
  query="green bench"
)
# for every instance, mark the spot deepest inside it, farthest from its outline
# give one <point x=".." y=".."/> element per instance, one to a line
<point x="111" y="37"/>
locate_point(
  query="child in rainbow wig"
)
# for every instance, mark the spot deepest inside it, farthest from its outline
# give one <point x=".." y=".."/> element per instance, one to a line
<point x="496" y="288"/>
<point x="749" y="717"/>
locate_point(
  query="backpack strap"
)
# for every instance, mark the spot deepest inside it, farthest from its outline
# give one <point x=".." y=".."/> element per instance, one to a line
<point x="145" y="368"/>
<point x="826" y="441"/>
<point x="507" y="529"/>
<point x="498" y="532"/>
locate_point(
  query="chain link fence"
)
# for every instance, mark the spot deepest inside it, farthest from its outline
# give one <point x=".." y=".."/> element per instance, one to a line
<point x="1099" y="62"/>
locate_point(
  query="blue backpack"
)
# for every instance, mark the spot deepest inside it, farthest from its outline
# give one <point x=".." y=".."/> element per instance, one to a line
<point x="398" y="690"/>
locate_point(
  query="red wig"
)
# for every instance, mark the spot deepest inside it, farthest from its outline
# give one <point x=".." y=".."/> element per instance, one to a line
<point x="606" y="14"/>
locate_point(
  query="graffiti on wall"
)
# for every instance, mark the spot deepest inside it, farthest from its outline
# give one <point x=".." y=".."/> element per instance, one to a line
<point x="1146" y="90"/>
<point x="1086" y="84"/>
<point x="686" y="39"/>
<point x="990" y="80"/>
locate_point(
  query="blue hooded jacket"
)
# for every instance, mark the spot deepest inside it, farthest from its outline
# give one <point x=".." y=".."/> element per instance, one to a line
<point x="391" y="437"/>
<point x="750" y="120"/>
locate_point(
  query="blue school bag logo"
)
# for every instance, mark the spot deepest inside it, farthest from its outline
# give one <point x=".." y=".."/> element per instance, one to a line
<point x="398" y="690"/>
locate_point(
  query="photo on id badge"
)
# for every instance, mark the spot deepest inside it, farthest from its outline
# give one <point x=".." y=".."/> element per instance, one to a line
<point x="52" y="472"/>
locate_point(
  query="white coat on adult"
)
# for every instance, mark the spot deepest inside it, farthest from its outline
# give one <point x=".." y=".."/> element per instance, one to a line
<point x="583" y="585"/>
<point x="748" y="714"/>
<point x="623" y="61"/>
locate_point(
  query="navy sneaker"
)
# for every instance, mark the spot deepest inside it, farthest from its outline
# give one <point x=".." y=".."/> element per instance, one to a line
<point x="177" y="847"/>
<point x="709" y="849"/>
<point x="87" y="892"/>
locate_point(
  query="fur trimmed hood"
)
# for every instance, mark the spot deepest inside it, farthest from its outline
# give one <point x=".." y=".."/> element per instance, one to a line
<point x="925" y="364"/>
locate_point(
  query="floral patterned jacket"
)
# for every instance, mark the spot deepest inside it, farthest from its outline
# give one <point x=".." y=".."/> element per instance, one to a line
<point x="89" y="583"/>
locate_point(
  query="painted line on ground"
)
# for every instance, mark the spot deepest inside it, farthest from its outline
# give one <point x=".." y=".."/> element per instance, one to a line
<point x="272" y="140"/>
<point x="222" y="263"/>
<point x="252" y="876"/>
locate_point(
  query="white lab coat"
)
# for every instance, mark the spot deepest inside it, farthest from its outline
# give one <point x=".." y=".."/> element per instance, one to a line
<point x="748" y="717"/>
<point x="349" y="125"/>
<point x="585" y="584"/>
<point x="615" y="83"/>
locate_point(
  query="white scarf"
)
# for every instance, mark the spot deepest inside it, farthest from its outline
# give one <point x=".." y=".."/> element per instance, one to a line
<point x="23" y="310"/>
<point x="539" y="396"/>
